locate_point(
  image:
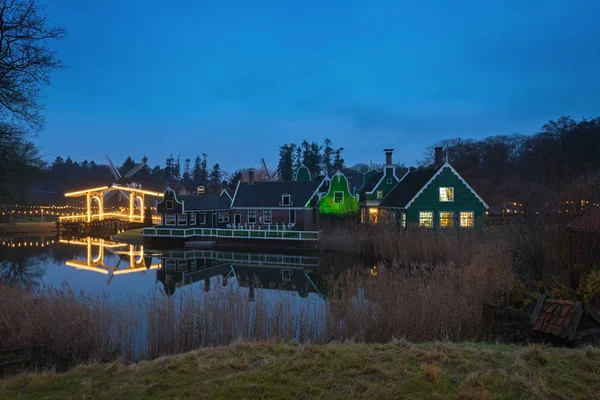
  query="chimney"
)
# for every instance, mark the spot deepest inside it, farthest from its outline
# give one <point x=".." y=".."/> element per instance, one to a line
<point x="388" y="156"/>
<point x="251" y="176"/>
<point x="439" y="157"/>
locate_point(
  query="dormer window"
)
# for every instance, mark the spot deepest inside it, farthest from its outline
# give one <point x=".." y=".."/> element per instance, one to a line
<point x="286" y="200"/>
<point x="389" y="181"/>
<point x="169" y="204"/>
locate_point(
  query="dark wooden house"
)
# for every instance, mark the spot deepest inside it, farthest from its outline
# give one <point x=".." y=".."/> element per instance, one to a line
<point x="584" y="239"/>
<point x="292" y="204"/>
<point x="202" y="210"/>
<point x="565" y="322"/>
<point x="377" y="185"/>
<point x="434" y="197"/>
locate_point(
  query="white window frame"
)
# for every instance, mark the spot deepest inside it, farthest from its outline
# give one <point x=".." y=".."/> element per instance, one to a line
<point x="202" y="218"/>
<point x="292" y="212"/>
<point x="192" y="218"/>
<point x="443" y="190"/>
<point x="269" y="219"/>
<point x="182" y="219"/>
<point x="377" y="193"/>
<point x="238" y="217"/>
<point x="472" y="219"/>
<point x="451" y="219"/>
<point x="171" y="203"/>
<point x="286" y="275"/>
<point x="289" y="199"/>
<point x="421" y="218"/>
<point x="338" y="202"/>
<point x="170" y="219"/>
<point x="389" y="181"/>
<point x="251" y="216"/>
<point x="223" y="217"/>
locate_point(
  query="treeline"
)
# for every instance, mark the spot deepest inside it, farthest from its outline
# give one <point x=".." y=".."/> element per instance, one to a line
<point x="320" y="159"/>
<point x="560" y="162"/>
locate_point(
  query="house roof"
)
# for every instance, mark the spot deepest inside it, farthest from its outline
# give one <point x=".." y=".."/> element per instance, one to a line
<point x="268" y="194"/>
<point x="408" y="187"/>
<point x="205" y="202"/>
<point x="369" y="186"/>
<point x="558" y="317"/>
<point x="355" y="181"/>
<point x="588" y="222"/>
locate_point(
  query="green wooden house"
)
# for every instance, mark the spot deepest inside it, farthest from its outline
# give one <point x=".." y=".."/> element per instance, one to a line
<point x="377" y="186"/>
<point x="435" y="197"/>
<point x="338" y="201"/>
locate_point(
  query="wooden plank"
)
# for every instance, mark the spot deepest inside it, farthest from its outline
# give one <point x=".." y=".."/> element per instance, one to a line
<point x="537" y="309"/>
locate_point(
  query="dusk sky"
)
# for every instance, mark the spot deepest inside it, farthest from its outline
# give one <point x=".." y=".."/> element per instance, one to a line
<point x="236" y="80"/>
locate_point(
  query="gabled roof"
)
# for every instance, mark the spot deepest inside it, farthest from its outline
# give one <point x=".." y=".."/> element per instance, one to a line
<point x="205" y="202"/>
<point x="408" y="187"/>
<point x="355" y="181"/>
<point x="268" y="194"/>
<point x="588" y="222"/>
<point x="557" y="317"/>
<point x="369" y="186"/>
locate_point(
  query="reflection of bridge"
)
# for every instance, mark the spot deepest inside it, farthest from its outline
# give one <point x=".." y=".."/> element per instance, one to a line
<point x="95" y="261"/>
<point x="97" y="195"/>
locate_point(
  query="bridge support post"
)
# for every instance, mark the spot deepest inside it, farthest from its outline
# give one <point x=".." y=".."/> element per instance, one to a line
<point x="88" y="199"/>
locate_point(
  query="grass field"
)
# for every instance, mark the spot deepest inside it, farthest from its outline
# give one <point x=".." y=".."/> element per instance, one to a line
<point x="131" y="236"/>
<point x="398" y="370"/>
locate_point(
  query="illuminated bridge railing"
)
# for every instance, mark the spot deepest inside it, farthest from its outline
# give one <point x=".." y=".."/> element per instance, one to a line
<point x="231" y="233"/>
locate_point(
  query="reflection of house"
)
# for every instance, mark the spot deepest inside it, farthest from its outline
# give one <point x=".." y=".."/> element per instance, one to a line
<point x="266" y="271"/>
<point x="203" y="210"/>
<point x="291" y="203"/>
<point x="434" y="197"/>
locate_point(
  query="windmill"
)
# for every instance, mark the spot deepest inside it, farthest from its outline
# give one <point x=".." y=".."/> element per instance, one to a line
<point x="122" y="179"/>
<point x="271" y="175"/>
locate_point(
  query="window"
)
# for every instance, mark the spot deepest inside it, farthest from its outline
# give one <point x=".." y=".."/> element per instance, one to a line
<point x="202" y="218"/>
<point x="192" y="218"/>
<point x="286" y="275"/>
<point x="170" y="219"/>
<point x="373" y="212"/>
<point x="403" y="219"/>
<point x="251" y="216"/>
<point x="292" y="216"/>
<point x="267" y="216"/>
<point x="466" y="219"/>
<point x="446" y="219"/>
<point x="446" y="194"/>
<point x="223" y="217"/>
<point x="338" y="197"/>
<point x="169" y="204"/>
<point x="181" y="219"/>
<point x="286" y="200"/>
<point x="426" y="219"/>
<point x="389" y="181"/>
<point x="379" y="194"/>
<point x="170" y="264"/>
<point x="237" y="219"/>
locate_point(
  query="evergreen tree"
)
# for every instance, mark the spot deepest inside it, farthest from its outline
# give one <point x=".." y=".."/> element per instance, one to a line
<point x="311" y="157"/>
<point x="204" y="170"/>
<point x="298" y="159"/>
<point x="286" y="161"/>
<point x="326" y="158"/>
<point x="170" y="169"/>
<point x="187" y="180"/>
<point x="215" y="176"/>
<point x="338" y="161"/>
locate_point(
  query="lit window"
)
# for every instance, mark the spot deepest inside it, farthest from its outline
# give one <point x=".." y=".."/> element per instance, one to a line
<point x="202" y="218"/>
<point x="170" y="219"/>
<point x="446" y="219"/>
<point x="426" y="219"/>
<point x="338" y="197"/>
<point x="193" y="219"/>
<point x="181" y="219"/>
<point x="373" y="215"/>
<point x="169" y="204"/>
<point x="223" y="216"/>
<point x="267" y="216"/>
<point x="466" y="219"/>
<point x="446" y="194"/>
<point x="379" y="194"/>
<point x="251" y="216"/>
<point x="403" y="216"/>
<point x="286" y="200"/>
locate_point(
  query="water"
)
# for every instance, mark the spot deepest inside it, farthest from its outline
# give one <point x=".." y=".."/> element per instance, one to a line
<point x="119" y="270"/>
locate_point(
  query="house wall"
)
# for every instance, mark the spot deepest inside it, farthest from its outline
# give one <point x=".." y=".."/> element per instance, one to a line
<point x="305" y="218"/>
<point x="161" y="206"/>
<point x="383" y="185"/>
<point x="429" y="200"/>
<point x="327" y="205"/>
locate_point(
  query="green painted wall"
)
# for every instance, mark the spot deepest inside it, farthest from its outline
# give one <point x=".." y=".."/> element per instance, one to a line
<point x="327" y="205"/>
<point x="429" y="200"/>
<point x="384" y="185"/>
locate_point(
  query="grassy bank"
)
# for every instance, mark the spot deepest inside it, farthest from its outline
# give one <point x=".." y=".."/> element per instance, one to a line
<point x="398" y="370"/>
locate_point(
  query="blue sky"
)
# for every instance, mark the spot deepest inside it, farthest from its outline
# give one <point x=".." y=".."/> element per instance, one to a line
<point x="236" y="80"/>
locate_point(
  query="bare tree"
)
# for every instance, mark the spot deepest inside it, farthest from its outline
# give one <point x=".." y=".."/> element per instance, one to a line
<point x="26" y="61"/>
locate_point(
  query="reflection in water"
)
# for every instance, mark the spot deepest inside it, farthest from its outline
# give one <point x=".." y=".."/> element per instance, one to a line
<point x="27" y="264"/>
